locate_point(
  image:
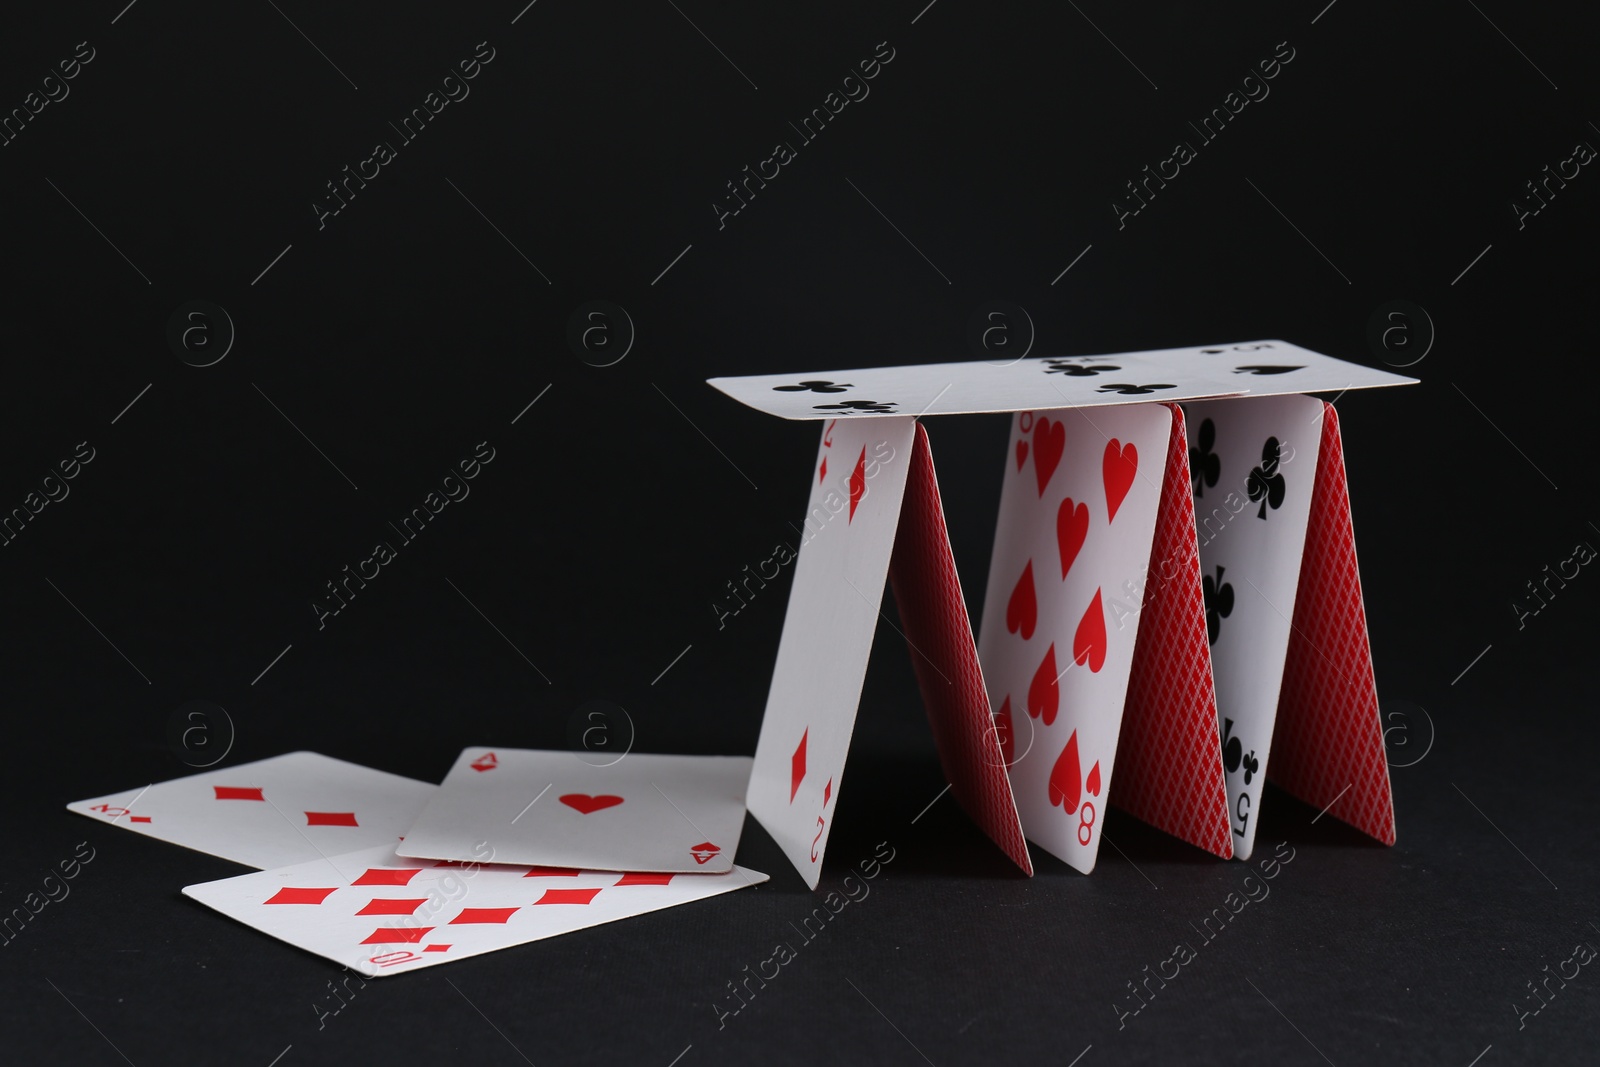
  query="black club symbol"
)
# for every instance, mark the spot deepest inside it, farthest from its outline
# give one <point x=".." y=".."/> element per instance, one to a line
<point x="1265" y="483"/>
<point x="1234" y="755"/>
<point x="813" y="386"/>
<point x="1131" y="390"/>
<point x="1261" y="368"/>
<point x="1204" y="465"/>
<point x="1219" y="603"/>
<point x="1078" y="370"/>
<point x="850" y="407"/>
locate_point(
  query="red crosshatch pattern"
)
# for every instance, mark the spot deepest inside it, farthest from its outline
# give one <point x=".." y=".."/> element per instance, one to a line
<point x="1169" y="759"/>
<point x="1327" y="748"/>
<point x="383" y="876"/>
<point x="567" y="896"/>
<point x="551" y="872"/>
<point x="927" y="592"/>
<point x="293" y="895"/>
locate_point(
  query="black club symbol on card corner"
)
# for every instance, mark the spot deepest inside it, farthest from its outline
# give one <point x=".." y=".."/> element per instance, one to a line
<point x="1234" y="756"/>
<point x="853" y="407"/>
<point x="1266" y="483"/>
<point x="1205" y="467"/>
<point x="1125" y="389"/>
<point x="1218" y="597"/>
<point x="813" y="386"/>
<point x="1077" y="370"/>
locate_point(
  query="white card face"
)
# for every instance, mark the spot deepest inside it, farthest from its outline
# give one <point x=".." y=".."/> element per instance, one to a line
<point x="1253" y="462"/>
<point x="640" y="813"/>
<point x="379" y="914"/>
<point x="857" y="485"/>
<point x="287" y="809"/>
<point x="1256" y="367"/>
<point x="1060" y="618"/>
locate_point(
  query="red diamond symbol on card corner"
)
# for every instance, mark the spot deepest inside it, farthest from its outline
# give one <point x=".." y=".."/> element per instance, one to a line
<point x="797" y="765"/>
<point x="485" y="762"/>
<point x="436" y="948"/>
<point x="704" y="852"/>
<point x="138" y="818"/>
<point x="827" y="792"/>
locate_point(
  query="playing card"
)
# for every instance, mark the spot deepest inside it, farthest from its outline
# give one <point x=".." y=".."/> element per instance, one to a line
<point x="1327" y="744"/>
<point x="1169" y="770"/>
<point x="1255" y="461"/>
<point x="639" y="813"/>
<point x="1277" y="368"/>
<point x="1061" y="614"/>
<point x="378" y="913"/>
<point x="857" y="486"/>
<point x="287" y="809"/>
<point x="927" y="592"/>
<point x="1256" y="367"/>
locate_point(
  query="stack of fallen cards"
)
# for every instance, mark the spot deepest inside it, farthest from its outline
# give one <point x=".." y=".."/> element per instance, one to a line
<point x="1183" y="579"/>
<point x="385" y="874"/>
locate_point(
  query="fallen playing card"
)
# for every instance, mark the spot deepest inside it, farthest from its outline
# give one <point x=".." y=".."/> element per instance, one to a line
<point x="641" y="813"/>
<point x="379" y="913"/>
<point x="273" y="812"/>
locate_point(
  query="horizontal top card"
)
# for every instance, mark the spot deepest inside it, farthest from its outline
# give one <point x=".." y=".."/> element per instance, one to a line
<point x="1257" y="368"/>
<point x="636" y="812"/>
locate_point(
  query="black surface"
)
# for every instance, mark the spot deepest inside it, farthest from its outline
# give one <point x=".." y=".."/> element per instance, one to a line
<point x="408" y="330"/>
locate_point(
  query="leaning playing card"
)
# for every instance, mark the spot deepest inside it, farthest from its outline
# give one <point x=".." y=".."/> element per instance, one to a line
<point x="639" y="813"/>
<point x="379" y="914"/>
<point x="273" y="812"/>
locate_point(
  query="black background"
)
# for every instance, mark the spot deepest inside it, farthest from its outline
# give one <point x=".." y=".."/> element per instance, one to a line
<point x="189" y="154"/>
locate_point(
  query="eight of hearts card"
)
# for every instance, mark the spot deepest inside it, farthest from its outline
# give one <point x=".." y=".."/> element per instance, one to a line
<point x="379" y="913"/>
